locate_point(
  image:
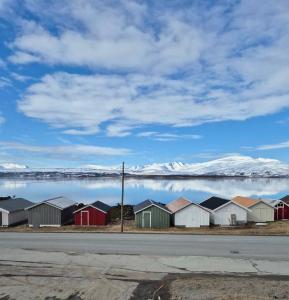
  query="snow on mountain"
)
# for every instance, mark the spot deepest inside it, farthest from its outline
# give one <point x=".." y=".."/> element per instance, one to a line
<point x="12" y="166"/>
<point x="239" y="166"/>
<point x="102" y="169"/>
<point x="228" y="166"/>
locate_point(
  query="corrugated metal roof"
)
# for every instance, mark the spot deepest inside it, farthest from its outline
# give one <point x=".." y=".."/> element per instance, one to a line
<point x="15" y="204"/>
<point x="177" y="204"/>
<point x="214" y="202"/>
<point x="60" y="202"/>
<point x="143" y="205"/>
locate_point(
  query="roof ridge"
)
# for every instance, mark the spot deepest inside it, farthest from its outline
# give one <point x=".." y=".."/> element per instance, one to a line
<point x="54" y="198"/>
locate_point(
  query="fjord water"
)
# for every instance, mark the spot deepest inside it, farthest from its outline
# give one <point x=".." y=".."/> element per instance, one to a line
<point x="109" y="189"/>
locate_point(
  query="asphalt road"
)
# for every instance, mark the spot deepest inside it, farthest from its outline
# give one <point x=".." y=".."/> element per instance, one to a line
<point x="257" y="247"/>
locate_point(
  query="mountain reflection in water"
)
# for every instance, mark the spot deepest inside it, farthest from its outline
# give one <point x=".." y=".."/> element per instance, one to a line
<point x="108" y="189"/>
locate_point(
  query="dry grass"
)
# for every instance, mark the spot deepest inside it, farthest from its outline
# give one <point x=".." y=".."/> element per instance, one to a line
<point x="273" y="228"/>
<point x="218" y="287"/>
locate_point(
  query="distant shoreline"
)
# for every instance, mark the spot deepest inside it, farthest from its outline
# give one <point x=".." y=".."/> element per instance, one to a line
<point x="81" y="175"/>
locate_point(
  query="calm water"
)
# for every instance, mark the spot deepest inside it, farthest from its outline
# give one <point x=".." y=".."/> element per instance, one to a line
<point x="108" y="190"/>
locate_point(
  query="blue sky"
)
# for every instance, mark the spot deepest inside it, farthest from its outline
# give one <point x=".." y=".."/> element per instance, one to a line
<point x="98" y="82"/>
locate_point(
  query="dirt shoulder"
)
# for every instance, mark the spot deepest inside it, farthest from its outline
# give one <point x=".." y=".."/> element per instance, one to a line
<point x="272" y="228"/>
<point x="59" y="275"/>
<point x="217" y="287"/>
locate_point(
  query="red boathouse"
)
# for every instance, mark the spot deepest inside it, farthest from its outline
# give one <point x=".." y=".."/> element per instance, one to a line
<point x="282" y="209"/>
<point x="93" y="214"/>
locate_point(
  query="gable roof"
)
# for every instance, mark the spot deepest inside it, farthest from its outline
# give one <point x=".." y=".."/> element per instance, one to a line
<point x="97" y="205"/>
<point x="14" y="204"/>
<point x="275" y="202"/>
<point x="214" y="202"/>
<point x="285" y="199"/>
<point x="100" y="205"/>
<point x="148" y="203"/>
<point x="245" y="201"/>
<point x="178" y="204"/>
<point x="232" y="202"/>
<point x="57" y="202"/>
<point x="196" y="204"/>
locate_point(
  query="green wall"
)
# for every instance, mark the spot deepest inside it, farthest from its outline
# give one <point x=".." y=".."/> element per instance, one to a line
<point x="160" y="218"/>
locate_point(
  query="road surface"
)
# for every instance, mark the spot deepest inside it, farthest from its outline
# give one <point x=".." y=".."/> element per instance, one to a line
<point x="137" y="266"/>
<point x="257" y="247"/>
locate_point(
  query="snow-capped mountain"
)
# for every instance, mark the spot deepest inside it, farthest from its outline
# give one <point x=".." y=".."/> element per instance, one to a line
<point x="228" y="166"/>
<point x="12" y="166"/>
<point x="102" y="169"/>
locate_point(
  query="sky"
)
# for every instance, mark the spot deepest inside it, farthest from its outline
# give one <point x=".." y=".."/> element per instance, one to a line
<point x="101" y="82"/>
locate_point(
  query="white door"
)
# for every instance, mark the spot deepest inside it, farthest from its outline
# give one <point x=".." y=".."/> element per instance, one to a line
<point x="84" y="218"/>
<point x="261" y="214"/>
<point x="146" y="219"/>
<point x="196" y="220"/>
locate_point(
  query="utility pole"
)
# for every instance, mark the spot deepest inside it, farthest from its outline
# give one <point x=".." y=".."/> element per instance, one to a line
<point x="122" y="196"/>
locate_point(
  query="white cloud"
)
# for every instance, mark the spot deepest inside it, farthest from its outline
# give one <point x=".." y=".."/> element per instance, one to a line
<point x="84" y="103"/>
<point x="282" y="145"/>
<point x="4" y="82"/>
<point x="122" y="43"/>
<point x="166" y="137"/>
<point x="71" y="151"/>
<point x="20" y="77"/>
<point x="23" y="58"/>
<point x="229" y="62"/>
<point x="118" y="130"/>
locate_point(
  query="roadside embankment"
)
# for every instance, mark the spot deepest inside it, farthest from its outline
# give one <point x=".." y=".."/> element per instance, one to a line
<point x="272" y="228"/>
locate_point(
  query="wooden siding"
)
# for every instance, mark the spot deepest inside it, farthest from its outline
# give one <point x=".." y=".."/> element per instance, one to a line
<point x="4" y="218"/>
<point x="17" y="217"/>
<point x="96" y="217"/>
<point x="223" y="215"/>
<point x="44" y="215"/>
<point x="261" y="213"/>
<point x="192" y="216"/>
<point x="67" y="215"/>
<point x="159" y="217"/>
<point x="13" y="218"/>
<point x="282" y="213"/>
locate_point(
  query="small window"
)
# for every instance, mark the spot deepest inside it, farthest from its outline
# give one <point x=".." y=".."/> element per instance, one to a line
<point x="280" y="205"/>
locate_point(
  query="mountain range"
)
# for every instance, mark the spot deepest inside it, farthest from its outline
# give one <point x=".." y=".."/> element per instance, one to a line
<point x="245" y="166"/>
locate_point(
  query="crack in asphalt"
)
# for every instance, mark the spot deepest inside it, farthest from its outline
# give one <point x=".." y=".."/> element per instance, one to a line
<point x="255" y="266"/>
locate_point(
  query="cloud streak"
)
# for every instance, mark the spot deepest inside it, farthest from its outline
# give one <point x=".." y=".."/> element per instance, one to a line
<point x="282" y="145"/>
<point x="166" y="137"/>
<point x="66" y="151"/>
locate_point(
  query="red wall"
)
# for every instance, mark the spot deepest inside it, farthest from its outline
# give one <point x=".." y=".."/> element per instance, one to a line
<point x="282" y="213"/>
<point x="96" y="217"/>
